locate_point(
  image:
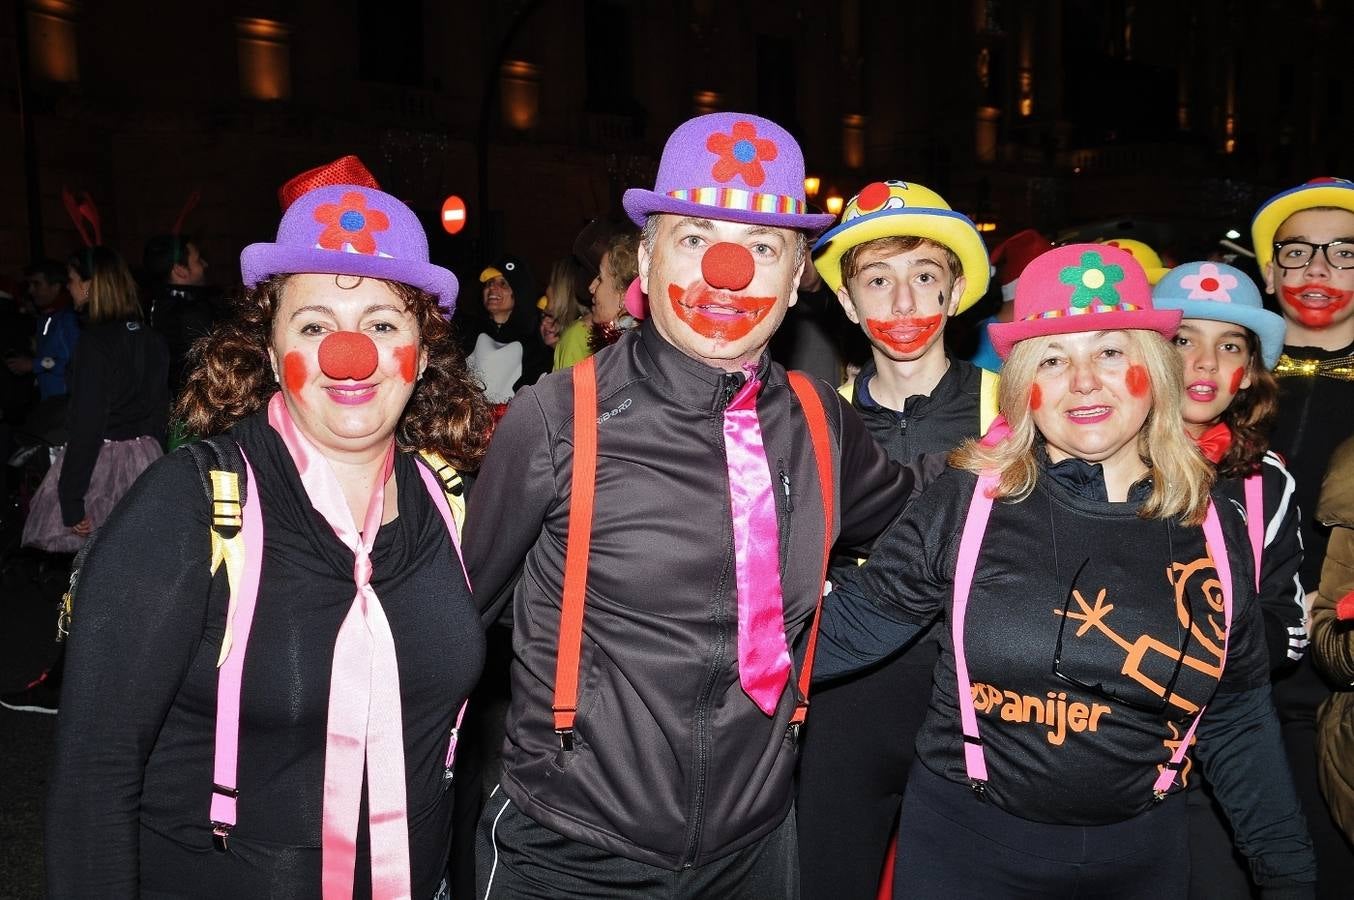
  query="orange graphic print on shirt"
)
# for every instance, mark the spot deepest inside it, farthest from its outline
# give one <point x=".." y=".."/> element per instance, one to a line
<point x="1203" y="652"/>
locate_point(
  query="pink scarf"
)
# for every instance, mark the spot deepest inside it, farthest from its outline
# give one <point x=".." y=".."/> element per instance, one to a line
<point x="365" y="721"/>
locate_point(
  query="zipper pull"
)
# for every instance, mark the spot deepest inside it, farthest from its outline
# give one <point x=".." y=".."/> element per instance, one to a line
<point x="785" y="485"/>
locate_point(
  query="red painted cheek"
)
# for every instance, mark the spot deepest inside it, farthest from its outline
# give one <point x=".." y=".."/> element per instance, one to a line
<point x="295" y="372"/>
<point x="408" y="359"/>
<point x="1138" y="381"/>
<point x="1036" y="398"/>
<point x="1237" y="376"/>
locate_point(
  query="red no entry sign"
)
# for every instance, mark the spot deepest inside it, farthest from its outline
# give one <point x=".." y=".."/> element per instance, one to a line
<point x="453" y="214"/>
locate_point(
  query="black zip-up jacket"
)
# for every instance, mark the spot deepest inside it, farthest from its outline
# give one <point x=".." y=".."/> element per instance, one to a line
<point x="928" y="423"/>
<point x="1314" y="418"/>
<point x="673" y="765"/>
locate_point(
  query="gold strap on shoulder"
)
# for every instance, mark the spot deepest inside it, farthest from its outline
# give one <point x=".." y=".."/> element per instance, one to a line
<point x="1340" y="368"/>
<point x="227" y="543"/>
<point x="453" y="485"/>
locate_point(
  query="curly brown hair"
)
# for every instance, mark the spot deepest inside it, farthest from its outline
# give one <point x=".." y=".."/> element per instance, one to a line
<point x="230" y="378"/>
<point x="1250" y="417"/>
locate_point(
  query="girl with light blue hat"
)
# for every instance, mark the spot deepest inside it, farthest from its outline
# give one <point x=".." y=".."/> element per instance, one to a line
<point x="1229" y="343"/>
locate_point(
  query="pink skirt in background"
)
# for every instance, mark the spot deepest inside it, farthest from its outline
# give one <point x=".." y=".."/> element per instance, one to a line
<point x="119" y="464"/>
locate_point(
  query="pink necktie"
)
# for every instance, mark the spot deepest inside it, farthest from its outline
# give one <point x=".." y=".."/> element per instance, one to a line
<point x="365" y="721"/>
<point x="763" y="658"/>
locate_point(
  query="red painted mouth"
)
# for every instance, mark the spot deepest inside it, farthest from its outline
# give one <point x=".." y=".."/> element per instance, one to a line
<point x="1315" y="305"/>
<point x="904" y="334"/>
<point x="716" y="314"/>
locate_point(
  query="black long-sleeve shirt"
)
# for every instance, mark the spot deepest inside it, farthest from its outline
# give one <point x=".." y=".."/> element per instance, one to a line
<point x="1077" y="616"/>
<point x="129" y="805"/>
<point x="119" y="389"/>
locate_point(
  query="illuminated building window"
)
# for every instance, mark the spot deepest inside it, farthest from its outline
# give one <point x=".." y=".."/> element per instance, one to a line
<point x="705" y="102"/>
<point x="521" y="94"/>
<point x="51" y="41"/>
<point x="1026" y="92"/>
<point x="853" y="141"/>
<point x="265" y="58"/>
<point x="985" y="134"/>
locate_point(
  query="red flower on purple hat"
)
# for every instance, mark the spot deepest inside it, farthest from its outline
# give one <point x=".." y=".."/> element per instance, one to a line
<point x="350" y="222"/>
<point x="741" y="153"/>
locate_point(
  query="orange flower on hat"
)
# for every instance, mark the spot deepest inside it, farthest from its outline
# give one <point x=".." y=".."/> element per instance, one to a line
<point x="350" y="222"/>
<point x="741" y="153"/>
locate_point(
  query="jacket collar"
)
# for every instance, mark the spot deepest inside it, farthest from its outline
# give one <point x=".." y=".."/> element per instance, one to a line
<point x="946" y="391"/>
<point x="690" y="382"/>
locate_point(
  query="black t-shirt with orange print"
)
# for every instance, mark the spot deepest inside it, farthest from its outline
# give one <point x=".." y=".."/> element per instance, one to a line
<point x="1076" y="623"/>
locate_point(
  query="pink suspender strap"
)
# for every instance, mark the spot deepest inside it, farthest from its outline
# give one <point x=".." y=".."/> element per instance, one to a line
<point x="1217" y="551"/>
<point x="1255" y="520"/>
<point x="224" y="792"/>
<point x="229" y="672"/>
<point x="439" y="496"/>
<point x="970" y="542"/>
<point x="980" y="508"/>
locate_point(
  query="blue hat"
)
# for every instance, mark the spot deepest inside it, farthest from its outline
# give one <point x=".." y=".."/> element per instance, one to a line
<point x="1220" y="293"/>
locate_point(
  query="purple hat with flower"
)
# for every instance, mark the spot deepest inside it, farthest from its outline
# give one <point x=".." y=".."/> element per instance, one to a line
<point x="347" y="229"/>
<point x="730" y="166"/>
<point x="1081" y="287"/>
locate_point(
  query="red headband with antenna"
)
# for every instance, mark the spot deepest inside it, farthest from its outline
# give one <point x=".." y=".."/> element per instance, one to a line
<point x="85" y="216"/>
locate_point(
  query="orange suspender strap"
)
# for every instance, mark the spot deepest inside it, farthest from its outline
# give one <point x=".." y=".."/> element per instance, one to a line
<point x="582" y="484"/>
<point x="812" y="405"/>
<point x="581" y="491"/>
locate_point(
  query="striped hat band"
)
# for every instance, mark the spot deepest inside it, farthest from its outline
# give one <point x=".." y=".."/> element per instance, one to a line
<point x="734" y="198"/>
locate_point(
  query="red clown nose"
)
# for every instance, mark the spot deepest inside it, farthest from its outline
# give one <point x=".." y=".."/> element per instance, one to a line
<point x="727" y="267"/>
<point x="348" y="354"/>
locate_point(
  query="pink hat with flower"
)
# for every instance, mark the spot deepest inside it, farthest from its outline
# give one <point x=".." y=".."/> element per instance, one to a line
<point x="1081" y="287"/>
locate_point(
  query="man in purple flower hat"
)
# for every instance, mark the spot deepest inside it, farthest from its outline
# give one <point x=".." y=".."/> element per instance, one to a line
<point x="668" y="771"/>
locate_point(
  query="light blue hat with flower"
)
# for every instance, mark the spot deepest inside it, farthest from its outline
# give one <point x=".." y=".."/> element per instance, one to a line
<point x="1221" y="293"/>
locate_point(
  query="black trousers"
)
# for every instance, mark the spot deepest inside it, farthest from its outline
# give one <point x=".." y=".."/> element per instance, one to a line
<point x="518" y="859"/>
<point x="953" y="845"/>
<point x="1217" y="870"/>
<point x="859" y="743"/>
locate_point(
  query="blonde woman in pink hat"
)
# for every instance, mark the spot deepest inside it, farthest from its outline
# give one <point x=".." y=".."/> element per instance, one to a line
<point x="1099" y="614"/>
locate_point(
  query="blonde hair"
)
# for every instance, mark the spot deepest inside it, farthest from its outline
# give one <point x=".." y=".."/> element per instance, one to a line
<point x="112" y="290"/>
<point x="1181" y="477"/>
<point x="561" y="293"/>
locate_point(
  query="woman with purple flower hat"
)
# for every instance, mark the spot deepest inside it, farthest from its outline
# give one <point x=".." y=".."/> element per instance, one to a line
<point x="1102" y="637"/>
<point x="273" y="634"/>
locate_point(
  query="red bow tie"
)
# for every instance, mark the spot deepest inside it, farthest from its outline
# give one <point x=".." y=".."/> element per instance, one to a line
<point x="1214" y="442"/>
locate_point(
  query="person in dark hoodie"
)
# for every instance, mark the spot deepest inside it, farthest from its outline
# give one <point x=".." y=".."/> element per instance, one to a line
<point x="899" y="272"/>
<point x="502" y="338"/>
<point x="182" y="306"/>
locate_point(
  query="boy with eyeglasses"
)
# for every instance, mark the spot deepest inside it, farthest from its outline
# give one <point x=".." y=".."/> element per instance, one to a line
<point x="1304" y="245"/>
